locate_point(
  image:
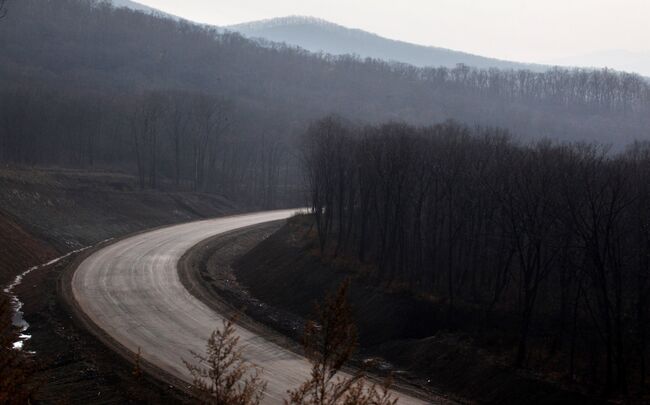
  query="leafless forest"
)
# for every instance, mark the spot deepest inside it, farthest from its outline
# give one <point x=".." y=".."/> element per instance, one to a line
<point x="557" y="235"/>
<point x="85" y="85"/>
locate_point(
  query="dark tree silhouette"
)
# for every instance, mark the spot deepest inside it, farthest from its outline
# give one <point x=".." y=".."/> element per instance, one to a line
<point x="329" y="344"/>
<point x="552" y="235"/>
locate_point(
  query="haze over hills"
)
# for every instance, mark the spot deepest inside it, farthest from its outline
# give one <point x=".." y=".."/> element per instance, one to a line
<point x="318" y="35"/>
<point x="617" y="59"/>
<point x="132" y="5"/>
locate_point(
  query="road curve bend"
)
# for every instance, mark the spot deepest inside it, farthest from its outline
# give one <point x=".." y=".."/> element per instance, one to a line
<point x="131" y="290"/>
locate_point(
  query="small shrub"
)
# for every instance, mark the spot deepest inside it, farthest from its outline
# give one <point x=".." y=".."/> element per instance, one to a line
<point x="222" y="376"/>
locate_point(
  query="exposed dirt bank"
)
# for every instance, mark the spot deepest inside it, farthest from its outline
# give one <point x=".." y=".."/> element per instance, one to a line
<point x="206" y="270"/>
<point x="72" y="209"/>
<point x="47" y="213"/>
<point x="74" y="366"/>
<point x="19" y="250"/>
<point x="279" y="278"/>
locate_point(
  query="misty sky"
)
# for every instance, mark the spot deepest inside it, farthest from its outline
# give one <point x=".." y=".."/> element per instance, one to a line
<point x="544" y="31"/>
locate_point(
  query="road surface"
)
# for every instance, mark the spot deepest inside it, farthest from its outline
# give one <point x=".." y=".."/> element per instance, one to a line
<point x="132" y="291"/>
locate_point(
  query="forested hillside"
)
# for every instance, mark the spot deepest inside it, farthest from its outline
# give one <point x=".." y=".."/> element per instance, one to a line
<point x="87" y="85"/>
<point x="546" y="243"/>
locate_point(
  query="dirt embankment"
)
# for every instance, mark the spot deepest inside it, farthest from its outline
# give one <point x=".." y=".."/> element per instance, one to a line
<point x="207" y="272"/>
<point x="71" y="209"/>
<point x="47" y="213"/>
<point x="279" y="279"/>
<point x="19" y="250"/>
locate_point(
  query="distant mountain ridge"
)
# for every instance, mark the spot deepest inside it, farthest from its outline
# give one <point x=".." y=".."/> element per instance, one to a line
<point x="140" y="7"/>
<point x="617" y="59"/>
<point x="317" y="35"/>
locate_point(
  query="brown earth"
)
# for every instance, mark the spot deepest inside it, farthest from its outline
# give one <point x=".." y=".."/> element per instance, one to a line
<point x="70" y="209"/>
<point x="279" y="279"/>
<point x="19" y="250"/>
<point x="46" y="213"/>
<point x="73" y="365"/>
<point x="207" y="272"/>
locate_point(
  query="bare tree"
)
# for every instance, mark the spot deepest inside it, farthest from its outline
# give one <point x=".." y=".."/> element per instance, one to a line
<point x="545" y="231"/>
<point x="211" y="121"/>
<point x="329" y="345"/>
<point x="531" y="207"/>
<point x="180" y="117"/>
<point x="145" y="128"/>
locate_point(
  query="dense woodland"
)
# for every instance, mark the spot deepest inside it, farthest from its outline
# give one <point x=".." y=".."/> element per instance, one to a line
<point x="180" y="105"/>
<point x="555" y="236"/>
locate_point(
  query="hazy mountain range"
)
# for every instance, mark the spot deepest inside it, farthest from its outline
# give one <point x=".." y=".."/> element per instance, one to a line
<point x="616" y="59"/>
<point x="317" y="35"/>
<point x="139" y="7"/>
<point x="133" y="5"/>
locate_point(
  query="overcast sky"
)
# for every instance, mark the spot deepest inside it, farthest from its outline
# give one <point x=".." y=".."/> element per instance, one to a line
<point x="521" y="30"/>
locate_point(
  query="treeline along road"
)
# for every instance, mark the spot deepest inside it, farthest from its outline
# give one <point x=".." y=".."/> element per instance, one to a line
<point x="546" y="242"/>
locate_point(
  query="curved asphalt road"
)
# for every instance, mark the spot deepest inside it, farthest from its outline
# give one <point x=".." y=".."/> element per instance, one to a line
<point x="132" y="291"/>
